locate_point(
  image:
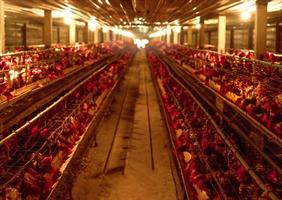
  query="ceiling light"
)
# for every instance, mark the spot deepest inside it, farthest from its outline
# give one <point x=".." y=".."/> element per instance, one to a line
<point x="97" y="6"/>
<point x="107" y="2"/>
<point x="211" y="21"/>
<point x="67" y="21"/>
<point x="100" y="1"/>
<point x="105" y="29"/>
<point x="245" y="16"/>
<point x="176" y="22"/>
<point x="93" y="24"/>
<point x="194" y="8"/>
<point x="141" y="43"/>
<point x="177" y="29"/>
<point x="198" y="26"/>
<point x="67" y="16"/>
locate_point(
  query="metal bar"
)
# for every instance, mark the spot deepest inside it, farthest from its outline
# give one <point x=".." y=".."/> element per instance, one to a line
<point x="16" y="132"/>
<point x="230" y="145"/>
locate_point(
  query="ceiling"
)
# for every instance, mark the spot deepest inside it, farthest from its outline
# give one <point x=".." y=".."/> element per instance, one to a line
<point x="129" y="12"/>
<point x="121" y="12"/>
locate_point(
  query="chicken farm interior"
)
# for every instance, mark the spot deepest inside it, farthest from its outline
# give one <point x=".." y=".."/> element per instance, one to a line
<point x="141" y="99"/>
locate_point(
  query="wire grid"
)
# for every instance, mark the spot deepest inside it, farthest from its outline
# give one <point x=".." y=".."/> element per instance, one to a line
<point x="56" y="124"/>
<point x="194" y="133"/>
<point x="30" y="66"/>
<point x="244" y="77"/>
<point x="182" y="109"/>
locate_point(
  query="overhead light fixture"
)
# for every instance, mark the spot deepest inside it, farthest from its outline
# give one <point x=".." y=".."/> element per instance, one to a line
<point x="100" y="1"/>
<point x="107" y="2"/>
<point x="97" y="6"/>
<point x="177" y="29"/>
<point x="161" y="32"/>
<point x="245" y="16"/>
<point x="93" y="24"/>
<point x="119" y="31"/>
<point x="141" y="43"/>
<point x="198" y="26"/>
<point x="176" y="22"/>
<point x="211" y="21"/>
<point x="67" y="16"/>
<point x="168" y="31"/>
<point x="105" y="29"/>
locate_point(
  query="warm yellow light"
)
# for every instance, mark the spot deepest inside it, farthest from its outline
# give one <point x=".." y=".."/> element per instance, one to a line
<point x="198" y="26"/>
<point x="107" y="2"/>
<point x="67" y="16"/>
<point x="67" y="20"/>
<point x="105" y="29"/>
<point x="177" y="29"/>
<point x="161" y="32"/>
<point x="93" y="24"/>
<point x="141" y="43"/>
<point x="245" y="16"/>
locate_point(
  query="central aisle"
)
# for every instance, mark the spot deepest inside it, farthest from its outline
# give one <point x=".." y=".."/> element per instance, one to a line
<point x="138" y="166"/>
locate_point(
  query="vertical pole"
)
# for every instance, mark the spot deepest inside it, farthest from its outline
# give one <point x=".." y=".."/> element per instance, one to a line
<point x="47" y="28"/>
<point x="209" y="37"/>
<point x="232" y="38"/>
<point x="168" y="37"/>
<point x="190" y="36"/>
<point x="86" y="33"/>
<point x="111" y="35"/>
<point x="250" y="35"/>
<point x="277" y="38"/>
<point x="2" y="27"/>
<point x="114" y="36"/>
<point x="24" y="29"/>
<point x="202" y="34"/>
<point x="107" y="36"/>
<point x="76" y="35"/>
<point x="58" y="35"/>
<point x="260" y="27"/>
<point x="175" y="37"/>
<point x="102" y="39"/>
<point x="96" y="35"/>
<point x="182" y="36"/>
<point x="72" y="32"/>
<point x="221" y="34"/>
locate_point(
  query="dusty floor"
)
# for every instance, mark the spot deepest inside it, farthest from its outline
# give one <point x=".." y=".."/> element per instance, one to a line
<point x="139" y="165"/>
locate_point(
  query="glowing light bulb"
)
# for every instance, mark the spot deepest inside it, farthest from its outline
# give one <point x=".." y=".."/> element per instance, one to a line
<point x="245" y="16"/>
<point x="67" y="16"/>
<point x="105" y="29"/>
<point x="92" y="24"/>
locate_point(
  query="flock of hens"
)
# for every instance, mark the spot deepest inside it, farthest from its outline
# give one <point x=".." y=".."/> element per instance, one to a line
<point x="211" y="163"/>
<point x="32" y="160"/>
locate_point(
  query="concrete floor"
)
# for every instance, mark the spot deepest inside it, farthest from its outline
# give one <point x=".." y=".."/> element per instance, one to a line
<point x="131" y="154"/>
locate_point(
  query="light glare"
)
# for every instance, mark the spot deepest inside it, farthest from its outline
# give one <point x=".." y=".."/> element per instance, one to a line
<point x="245" y="16"/>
